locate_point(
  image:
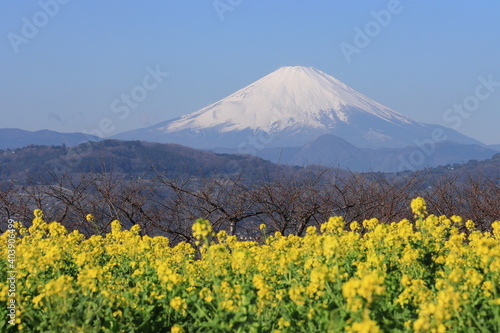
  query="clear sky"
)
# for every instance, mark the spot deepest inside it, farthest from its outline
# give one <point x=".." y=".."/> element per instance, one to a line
<point x="65" y="65"/>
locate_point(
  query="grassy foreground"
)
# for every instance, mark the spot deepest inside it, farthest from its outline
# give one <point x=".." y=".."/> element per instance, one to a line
<point x="434" y="274"/>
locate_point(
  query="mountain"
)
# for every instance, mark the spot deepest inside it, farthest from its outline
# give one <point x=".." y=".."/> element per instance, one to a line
<point x="330" y="150"/>
<point x="495" y="147"/>
<point x="12" y="138"/>
<point x="133" y="159"/>
<point x="130" y="159"/>
<point x="291" y="107"/>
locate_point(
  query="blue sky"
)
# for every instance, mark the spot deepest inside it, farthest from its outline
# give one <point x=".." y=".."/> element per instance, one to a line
<point x="70" y="72"/>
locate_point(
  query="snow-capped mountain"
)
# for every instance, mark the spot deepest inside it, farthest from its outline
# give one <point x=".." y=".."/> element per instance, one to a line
<point x="291" y="107"/>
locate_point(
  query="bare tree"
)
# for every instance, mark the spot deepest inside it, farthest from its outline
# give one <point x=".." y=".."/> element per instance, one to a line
<point x="286" y="201"/>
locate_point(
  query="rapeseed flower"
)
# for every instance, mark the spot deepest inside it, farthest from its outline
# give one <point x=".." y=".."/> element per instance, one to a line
<point x="343" y="278"/>
<point x="418" y="207"/>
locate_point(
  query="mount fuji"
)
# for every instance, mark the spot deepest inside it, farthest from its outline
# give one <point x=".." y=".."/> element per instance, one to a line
<point x="291" y="107"/>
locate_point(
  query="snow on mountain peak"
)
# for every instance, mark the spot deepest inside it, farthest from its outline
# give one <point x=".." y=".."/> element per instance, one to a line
<point x="290" y="107"/>
<point x="291" y="97"/>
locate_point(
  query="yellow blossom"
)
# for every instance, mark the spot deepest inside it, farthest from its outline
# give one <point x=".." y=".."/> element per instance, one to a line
<point x="177" y="329"/>
<point x="202" y="229"/>
<point x="178" y="304"/>
<point x="418" y="207"/>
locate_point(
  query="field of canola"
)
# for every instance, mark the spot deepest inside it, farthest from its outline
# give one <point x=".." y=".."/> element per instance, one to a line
<point x="433" y="274"/>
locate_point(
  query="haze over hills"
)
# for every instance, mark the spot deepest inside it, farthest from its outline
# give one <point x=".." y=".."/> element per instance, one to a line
<point x="330" y="150"/>
<point x="291" y="107"/>
<point x="12" y="138"/>
<point x="131" y="158"/>
<point x="495" y="147"/>
<point x="298" y="115"/>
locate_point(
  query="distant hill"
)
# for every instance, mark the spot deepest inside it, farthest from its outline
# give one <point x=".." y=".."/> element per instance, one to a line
<point x="12" y="138"/>
<point x="486" y="169"/>
<point x="142" y="159"/>
<point x="331" y="150"/>
<point x="130" y="158"/>
<point x="495" y="147"/>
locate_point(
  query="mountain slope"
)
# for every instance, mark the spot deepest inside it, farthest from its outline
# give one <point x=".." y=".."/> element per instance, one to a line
<point x="12" y="138"/>
<point x="131" y="159"/>
<point x="332" y="150"/>
<point x="291" y="107"/>
<point x="288" y="98"/>
<point x="495" y="147"/>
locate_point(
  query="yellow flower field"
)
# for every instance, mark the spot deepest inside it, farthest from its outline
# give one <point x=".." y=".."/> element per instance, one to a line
<point x="433" y="274"/>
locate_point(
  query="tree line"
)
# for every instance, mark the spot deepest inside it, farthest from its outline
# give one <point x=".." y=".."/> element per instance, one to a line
<point x="287" y="202"/>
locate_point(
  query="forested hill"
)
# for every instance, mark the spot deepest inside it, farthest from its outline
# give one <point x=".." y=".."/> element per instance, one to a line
<point x="116" y="180"/>
<point x="143" y="159"/>
<point x="487" y="169"/>
<point x="131" y="158"/>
